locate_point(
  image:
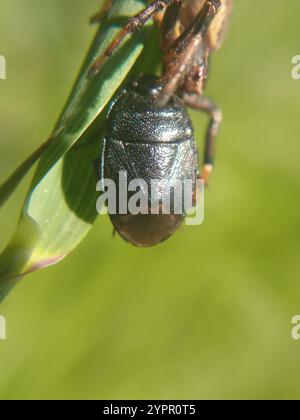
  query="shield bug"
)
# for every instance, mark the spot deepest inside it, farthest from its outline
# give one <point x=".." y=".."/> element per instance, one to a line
<point x="149" y="133"/>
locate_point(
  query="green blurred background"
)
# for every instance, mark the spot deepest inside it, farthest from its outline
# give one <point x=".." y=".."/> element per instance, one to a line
<point x="206" y="314"/>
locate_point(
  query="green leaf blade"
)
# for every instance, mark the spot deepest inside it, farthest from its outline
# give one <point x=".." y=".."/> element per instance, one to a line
<point x="61" y="203"/>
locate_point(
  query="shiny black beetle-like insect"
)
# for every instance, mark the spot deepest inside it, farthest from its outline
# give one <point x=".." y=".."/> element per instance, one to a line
<point x="149" y="134"/>
<point x="149" y="142"/>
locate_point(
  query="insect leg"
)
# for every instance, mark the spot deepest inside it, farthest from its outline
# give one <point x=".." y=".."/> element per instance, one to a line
<point x="183" y="50"/>
<point x="133" y="24"/>
<point x="168" y="25"/>
<point x="205" y="104"/>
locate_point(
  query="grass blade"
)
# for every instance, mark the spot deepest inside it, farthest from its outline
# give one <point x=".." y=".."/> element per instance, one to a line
<point x="61" y="204"/>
